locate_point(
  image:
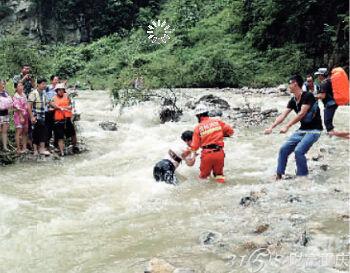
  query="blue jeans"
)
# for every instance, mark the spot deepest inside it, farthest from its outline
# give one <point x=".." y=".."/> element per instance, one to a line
<point x="299" y="142"/>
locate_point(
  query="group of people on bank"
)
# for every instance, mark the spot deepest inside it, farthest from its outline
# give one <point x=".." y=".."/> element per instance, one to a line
<point x="210" y="132"/>
<point x="42" y="114"/>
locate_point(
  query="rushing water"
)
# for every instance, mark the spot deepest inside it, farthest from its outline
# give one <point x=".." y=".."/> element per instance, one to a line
<point x="102" y="212"/>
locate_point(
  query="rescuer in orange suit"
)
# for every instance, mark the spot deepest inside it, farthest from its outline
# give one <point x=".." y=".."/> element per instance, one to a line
<point x="209" y="135"/>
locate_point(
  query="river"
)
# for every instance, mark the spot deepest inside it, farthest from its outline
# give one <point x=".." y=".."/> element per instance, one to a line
<point x="101" y="211"/>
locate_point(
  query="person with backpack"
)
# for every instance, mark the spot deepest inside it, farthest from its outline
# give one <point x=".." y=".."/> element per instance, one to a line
<point x="334" y="91"/>
<point x="305" y="106"/>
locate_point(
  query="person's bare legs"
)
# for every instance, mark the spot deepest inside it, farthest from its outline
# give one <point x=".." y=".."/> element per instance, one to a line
<point x="4" y="130"/>
<point x="35" y="147"/>
<point x="24" y="139"/>
<point x="42" y="149"/>
<point x="19" y="132"/>
<point x="61" y="146"/>
<point x="341" y="134"/>
<point x="74" y="140"/>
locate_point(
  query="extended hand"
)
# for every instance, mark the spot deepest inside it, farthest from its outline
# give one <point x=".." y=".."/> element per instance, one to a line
<point x="267" y="131"/>
<point x="284" y="130"/>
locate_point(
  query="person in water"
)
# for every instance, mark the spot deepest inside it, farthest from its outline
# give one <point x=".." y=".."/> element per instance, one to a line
<point x="164" y="170"/>
<point x="305" y="106"/>
<point x="209" y="135"/>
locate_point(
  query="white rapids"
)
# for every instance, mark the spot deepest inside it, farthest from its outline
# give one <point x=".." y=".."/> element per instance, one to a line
<point x="102" y="211"/>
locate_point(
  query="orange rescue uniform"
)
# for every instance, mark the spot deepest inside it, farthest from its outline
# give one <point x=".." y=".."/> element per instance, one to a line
<point x="209" y="135"/>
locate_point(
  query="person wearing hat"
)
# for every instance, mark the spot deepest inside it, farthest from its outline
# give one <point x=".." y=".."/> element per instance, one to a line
<point x="209" y="135"/>
<point x="63" y="118"/>
<point x="330" y="105"/>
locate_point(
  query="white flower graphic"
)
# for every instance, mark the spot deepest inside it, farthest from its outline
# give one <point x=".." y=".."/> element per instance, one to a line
<point x="159" y="32"/>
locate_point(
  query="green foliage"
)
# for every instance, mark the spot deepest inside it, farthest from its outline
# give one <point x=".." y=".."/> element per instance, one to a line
<point x="5" y="11"/>
<point x="215" y="43"/>
<point x="16" y="51"/>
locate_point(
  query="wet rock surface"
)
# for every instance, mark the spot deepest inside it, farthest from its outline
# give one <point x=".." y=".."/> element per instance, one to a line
<point x="158" y="265"/>
<point x="209" y="237"/>
<point x="108" y="125"/>
<point x="11" y="157"/>
<point x="242" y="116"/>
<point x="168" y="114"/>
<point x="214" y="101"/>
<point x="7" y="157"/>
<point x="249" y="116"/>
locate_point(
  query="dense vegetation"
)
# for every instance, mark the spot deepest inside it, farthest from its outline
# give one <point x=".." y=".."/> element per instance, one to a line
<point x="215" y="43"/>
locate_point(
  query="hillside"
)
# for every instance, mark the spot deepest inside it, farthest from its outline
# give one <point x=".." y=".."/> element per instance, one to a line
<point x="212" y="43"/>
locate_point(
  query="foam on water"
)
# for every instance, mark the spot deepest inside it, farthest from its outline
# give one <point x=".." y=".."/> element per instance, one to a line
<point x="103" y="212"/>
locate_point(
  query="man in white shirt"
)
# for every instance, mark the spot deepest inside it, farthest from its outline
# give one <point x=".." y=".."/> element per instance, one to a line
<point x="164" y="170"/>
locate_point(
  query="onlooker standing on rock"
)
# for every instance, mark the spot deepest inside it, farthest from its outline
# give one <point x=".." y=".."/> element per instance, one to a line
<point x="308" y="113"/>
<point x="49" y="110"/>
<point x="5" y="105"/>
<point x="28" y="82"/>
<point x="63" y="118"/>
<point x="209" y="135"/>
<point x="26" y="78"/>
<point x="21" y="118"/>
<point x="37" y="104"/>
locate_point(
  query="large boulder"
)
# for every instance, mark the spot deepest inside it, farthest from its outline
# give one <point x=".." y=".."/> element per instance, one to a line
<point x="214" y="101"/>
<point x="170" y="114"/>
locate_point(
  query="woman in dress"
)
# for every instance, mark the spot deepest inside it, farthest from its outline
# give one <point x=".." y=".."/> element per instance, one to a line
<point x="21" y="118"/>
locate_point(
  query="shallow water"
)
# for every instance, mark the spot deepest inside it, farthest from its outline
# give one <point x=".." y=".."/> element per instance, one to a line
<point x="102" y="212"/>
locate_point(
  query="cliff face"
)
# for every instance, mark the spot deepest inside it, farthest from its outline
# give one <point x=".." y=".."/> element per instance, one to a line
<point x="37" y="22"/>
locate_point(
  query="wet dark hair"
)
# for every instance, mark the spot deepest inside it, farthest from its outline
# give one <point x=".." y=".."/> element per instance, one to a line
<point x="309" y="76"/>
<point x="298" y="79"/>
<point x="41" y="80"/>
<point x="187" y="135"/>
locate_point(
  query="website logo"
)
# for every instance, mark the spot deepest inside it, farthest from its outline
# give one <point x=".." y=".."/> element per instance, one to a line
<point x="158" y="32"/>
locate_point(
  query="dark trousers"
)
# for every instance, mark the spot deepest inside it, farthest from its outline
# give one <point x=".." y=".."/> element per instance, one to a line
<point x="164" y="171"/>
<point x="329" y="113"/>
<point x="39" y="132"/>
<point x="49" y="124"/>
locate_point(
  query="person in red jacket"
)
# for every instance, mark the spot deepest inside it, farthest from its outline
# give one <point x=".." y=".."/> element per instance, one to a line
<point x="209" y="135"/>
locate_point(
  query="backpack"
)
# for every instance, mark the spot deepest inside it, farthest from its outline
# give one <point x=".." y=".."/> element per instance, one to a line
<point x="340" y="86"/>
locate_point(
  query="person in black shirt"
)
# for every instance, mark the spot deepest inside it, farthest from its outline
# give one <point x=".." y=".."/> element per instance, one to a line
<point x="305" y="106"/>
<point x="330" y="106"/>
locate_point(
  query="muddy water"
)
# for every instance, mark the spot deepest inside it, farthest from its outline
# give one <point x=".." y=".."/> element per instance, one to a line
<point x="102" y="212"/>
